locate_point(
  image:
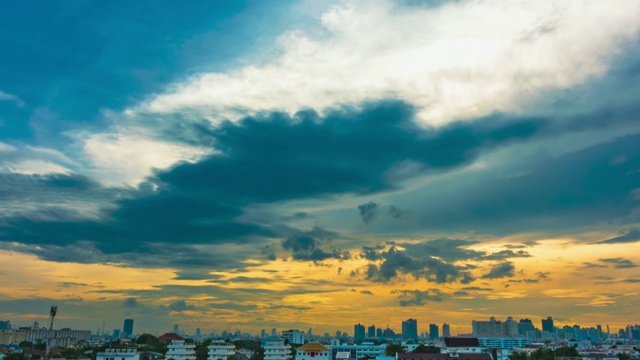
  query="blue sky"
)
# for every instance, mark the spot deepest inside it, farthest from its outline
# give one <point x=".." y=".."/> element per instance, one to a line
<point x="284" y="164"/>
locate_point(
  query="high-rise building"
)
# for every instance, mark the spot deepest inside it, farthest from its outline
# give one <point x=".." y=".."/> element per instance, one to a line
<point x="510" y="327"/>
<point x="198" y="333"/>
<point x="5" y="325"/>
<point x="127" y="329"/>
<point x="547" y="325"/>
<point x="524" y="326"/>
<point x="379" y="332"/>
<point x="358" y="332"/>
<point x="371" y="331"/>
<point x="295" y="337"/>
<point x="491" y="327"/>
<point x="176" y="329"/>
<point x="274" y="332"/>
<point x="446" y="330"/>
<point x="410" y="329"/>
<point x="433" y="332"/>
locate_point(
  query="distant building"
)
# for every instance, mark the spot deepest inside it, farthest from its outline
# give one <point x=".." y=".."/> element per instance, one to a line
<point x="547" y="325"/>
<point x="358" y="332"/>
<point x="275" y="348"/>
<point x="61" y="337"/>
<point x="446" y="330"/>
<point x="178" y="350"/>
<point x="491" y="327"/>
<point x="9" y="337"/>
<point x="410" y="329"/>
<point x="379" y="332"/>
<point x="504" y="342"/>
<point x="221" y="350"/>
<point x="371" y="331"/>
<point x="445" y="356"/>
<point x="433" y="332"/>
<point x="127" y="329"/>
<point x="313" y="351"/>
<point x="118" y="354"/>
<point x="525" y="326"/>
<point x="295" y="337"/>
<point x="5" y="325"/>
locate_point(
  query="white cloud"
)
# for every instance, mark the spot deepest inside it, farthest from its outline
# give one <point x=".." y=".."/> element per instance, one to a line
<point x="36" y="167"/>
<point x="127" y="157"/>
<point x="10" y="97"/>
<point x="463" y="59"/>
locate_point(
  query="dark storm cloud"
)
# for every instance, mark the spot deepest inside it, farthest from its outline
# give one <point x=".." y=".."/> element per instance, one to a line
<point x="180" y="306"/>
<point x="398" y="262"/>
<point x="272" y="158"/>
<point x="536" y="192"/>
<point x="619" y="263"/>
<point x="419" y="297"/>
<point x="633" y="235"/>
<point x="130" y="302"/>
<point x="305" y="245"/>
<point x="502" y="270"/>
<point x="398" y="213"/>
<point x="368" y="211"/>
<point x="278" y="157"/>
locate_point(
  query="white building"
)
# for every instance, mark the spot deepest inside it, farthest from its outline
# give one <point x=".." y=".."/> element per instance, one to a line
<point x="221" y="350"/>
<point x="62" y="337"/>
<point x="366" y="349"/>
<point x="295" y="337"/>
<point x="313" y="351"/>
<point x="118" y="354"/>
<point x="178" y="350"/>
<point x="275" y="349"/>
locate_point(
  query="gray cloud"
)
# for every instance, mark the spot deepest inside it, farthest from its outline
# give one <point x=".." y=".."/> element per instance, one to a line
<point x="419" y="297"/>
<point x="633" y="235"/>
<point x="502" y="270"/>
<point x="368" y="212"/>
<point x="130" y="302"/>
<point x="180" y="306"/>
<point x="619" y="263"/>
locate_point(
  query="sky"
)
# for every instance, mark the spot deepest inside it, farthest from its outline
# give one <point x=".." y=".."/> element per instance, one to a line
<point x="244" y="165"/>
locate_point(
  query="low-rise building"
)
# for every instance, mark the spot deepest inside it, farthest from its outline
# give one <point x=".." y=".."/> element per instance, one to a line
<point x="179" y="350"/>
<point x="313" y="351"/>
<point x="275" y="348"/>
<point x="221" y="350"/>
<point x="118" y="354"/>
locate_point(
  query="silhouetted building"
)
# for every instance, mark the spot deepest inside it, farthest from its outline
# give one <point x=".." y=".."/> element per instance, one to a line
<point x="358" y="332"/>
<point x="433" y="332"/>
<point x="547" y="325"/>
<point x="127" y="329"/>
<point x="410" y="329"/>
<point x="524" y="326"/>
<point x="371" y="331"/>
<point x="446" y="330"/>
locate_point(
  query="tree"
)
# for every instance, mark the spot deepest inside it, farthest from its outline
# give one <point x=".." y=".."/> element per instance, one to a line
<point x="258" y="355"/>
<point x="518" y="355"/>
<point x="15" y="356"/>
<point x="25" y="344"/>
<point x="146" y="339"/>
<point x="566" y="351"/>
<point x="393" y="349"/>
<point x="624" y="356"/>
<point x="427" y="349"/>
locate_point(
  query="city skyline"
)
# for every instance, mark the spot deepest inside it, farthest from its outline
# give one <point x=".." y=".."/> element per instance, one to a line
<point x="319" y="163"/>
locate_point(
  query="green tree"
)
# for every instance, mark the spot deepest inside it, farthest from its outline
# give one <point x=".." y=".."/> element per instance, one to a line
<point x="393" y="349"/>
<point x="25" y="344"/>
<point x="202" y="350"/>
<point x="15" y="356"/>
<point x="427" y="349"/>
<point x="146" y="339"/>
<point x="567" y="351"/>
<point x="624" y="356"/>
<point x="518" y="355"/>
<point x="258" y="355"/>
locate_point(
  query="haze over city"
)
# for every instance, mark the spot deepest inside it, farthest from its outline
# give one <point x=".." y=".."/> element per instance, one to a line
<point x="245" y="165"/>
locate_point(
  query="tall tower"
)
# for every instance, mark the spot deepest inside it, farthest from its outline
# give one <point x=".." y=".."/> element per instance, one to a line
<point x="410" y="329"/>
<point x="52" y="313"/>
<point x="127" y="329"/>
<point x="547" y="325"/>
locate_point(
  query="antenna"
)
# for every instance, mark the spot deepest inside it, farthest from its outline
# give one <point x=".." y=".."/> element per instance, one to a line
<point x="52" y="312"/>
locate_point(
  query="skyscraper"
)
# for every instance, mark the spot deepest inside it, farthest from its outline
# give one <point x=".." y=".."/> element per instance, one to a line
<point x="358" y="332"/>
<point x="524" y="326"/>
<point x="446" y="330"/>
<point x="371" y="331"/>
<point x="410" y="329"/>
<point x="127" y="329"/>
<point x="433" y="332"/>
<point x="547" y="325"/>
